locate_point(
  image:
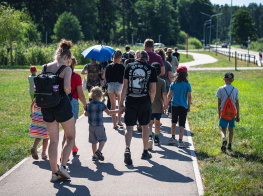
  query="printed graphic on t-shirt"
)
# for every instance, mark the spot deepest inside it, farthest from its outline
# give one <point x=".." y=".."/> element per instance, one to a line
<point x="138" y="79"/>
<point x="93" y="74"/>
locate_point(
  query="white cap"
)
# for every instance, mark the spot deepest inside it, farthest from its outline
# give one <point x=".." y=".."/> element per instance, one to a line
<point x="132" y="52"/>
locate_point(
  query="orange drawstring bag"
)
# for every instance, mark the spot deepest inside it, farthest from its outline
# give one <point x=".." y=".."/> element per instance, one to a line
<point x="229" y="110"/>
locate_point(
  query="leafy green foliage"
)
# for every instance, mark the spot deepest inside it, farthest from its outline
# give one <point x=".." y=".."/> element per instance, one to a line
<point x="195" y="42"/>
<point x="67" y="27"/>
<point x="243" y="27"/>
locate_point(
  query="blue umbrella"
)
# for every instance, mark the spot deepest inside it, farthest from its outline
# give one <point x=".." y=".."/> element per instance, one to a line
<point x="98" y="52"/>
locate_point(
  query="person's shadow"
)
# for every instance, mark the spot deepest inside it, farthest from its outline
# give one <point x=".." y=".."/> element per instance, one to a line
<point x="63" y="190"/>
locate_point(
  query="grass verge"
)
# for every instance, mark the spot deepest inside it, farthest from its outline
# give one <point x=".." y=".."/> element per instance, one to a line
<point x="223" y="61"/>
<point x="239" y="172"/>
<point x="15" y="121"/>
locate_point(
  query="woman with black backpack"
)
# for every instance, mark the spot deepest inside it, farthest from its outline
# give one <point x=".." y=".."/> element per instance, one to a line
<point x="61" y="113"/>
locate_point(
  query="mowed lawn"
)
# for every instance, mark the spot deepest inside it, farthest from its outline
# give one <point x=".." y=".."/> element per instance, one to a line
<point x="223" y="61"/>
<point x="239" y="172"/>
<point x="15" y="120"/>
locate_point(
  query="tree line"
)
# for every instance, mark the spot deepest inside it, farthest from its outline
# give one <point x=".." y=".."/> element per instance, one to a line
<point x="115" y="21"/>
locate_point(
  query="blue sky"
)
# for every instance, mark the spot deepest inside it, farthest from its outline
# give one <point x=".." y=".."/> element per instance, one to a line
<point x="236" y="2"/>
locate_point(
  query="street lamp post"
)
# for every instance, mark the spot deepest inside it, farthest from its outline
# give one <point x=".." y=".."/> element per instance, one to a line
<point x="206" y="22"/>
<point x="230" y="31"/>
<point x="160" y="38"/>
<point x="211" y="16"/>
<point x="132" y="40"/>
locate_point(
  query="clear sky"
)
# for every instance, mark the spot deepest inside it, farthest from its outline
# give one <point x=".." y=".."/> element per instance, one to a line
<point x="236" y="2"/>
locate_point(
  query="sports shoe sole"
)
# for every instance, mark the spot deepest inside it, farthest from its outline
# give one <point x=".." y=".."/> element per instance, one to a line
<point x="150" y="145"/>
<point x="127" y="158"/>
<point x="146" y="157"/>
<point x="75" y="153"/>
<point x="62" y="175"/>
<point x="101" y="158"/>
<point x="223" y="147"/>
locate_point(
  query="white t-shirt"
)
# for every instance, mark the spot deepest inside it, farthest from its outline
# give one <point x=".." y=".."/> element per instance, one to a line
<point x="31" y="84"/>
<point x="221" y="93"/>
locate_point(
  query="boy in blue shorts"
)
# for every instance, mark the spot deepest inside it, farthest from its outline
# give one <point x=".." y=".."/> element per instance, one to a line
<point x="94" y="110"/>
<point x="158" y="107"/>
<point x="222" y="95"/>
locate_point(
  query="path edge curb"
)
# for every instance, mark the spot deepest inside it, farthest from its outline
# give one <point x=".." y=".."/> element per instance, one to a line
<point x="25" y="159"/>
<point x="198" y="178"/>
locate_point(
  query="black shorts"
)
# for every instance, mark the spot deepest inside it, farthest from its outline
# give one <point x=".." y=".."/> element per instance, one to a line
<point x="180" y="112"/>
<point x="61" y="113"/>
<point x="135" y="111"/>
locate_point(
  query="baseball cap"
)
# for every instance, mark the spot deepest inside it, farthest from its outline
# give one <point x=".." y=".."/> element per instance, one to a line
<point x="165" y="48"/>
<point x="132" y="52"/>
<point x="157" y="66"/>
<point x="181" y="68"/>
<point x="33" y="68"/>
<point x="229" y="75"/>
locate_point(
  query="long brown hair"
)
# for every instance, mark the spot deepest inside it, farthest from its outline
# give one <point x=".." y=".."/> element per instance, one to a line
<point x="180" y="77"/>
<point x="161" y="52"/>
<point x="169" y="57"/>
<point x="63" y="49"/>
<point x="73" y="63"/>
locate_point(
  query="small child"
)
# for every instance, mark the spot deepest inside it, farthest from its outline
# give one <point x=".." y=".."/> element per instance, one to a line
<point x="33" y="71"/>
<point x="222" y="95"/>
<point x="94" y="110"/>
<point x="158" y="107"/>
<point x="38" y="130"/>
<point x="181" y="91"/>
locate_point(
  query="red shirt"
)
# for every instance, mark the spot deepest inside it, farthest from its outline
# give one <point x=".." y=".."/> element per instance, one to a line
<point x="75" y="81"/>
<point x="153" y="57"/>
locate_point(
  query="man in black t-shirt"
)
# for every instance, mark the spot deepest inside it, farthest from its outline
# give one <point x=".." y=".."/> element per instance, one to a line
<point x="139" y="86"/>
<point x="176" y="54"/>
<point x="126" y="53"/>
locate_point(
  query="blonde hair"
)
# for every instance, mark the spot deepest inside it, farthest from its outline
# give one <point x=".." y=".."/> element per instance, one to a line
<point x="95" y="93"/>
<point x="117" y="54"/>
<point x="63" y="49"/>
<point x="137" y="54"/>
<point x="144" y="55"/>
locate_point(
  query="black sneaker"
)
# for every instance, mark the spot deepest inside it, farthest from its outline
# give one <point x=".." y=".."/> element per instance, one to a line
<point x="99" y="155"/>
<point x="223" y="147"/>
<point x="156" y="141"/>
<point x="127" y="157"/>
<point x="146" y="155"/>
<point x="229" y="148"/>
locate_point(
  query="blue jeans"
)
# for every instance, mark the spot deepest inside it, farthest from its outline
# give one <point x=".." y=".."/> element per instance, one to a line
<point x="75" y="108"/>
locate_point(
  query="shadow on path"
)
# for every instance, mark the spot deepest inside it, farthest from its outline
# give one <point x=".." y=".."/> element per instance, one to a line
<point x="64" y="190"/>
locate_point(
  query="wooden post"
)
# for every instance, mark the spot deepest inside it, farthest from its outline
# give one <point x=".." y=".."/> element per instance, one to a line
<point x="187" y="46"/>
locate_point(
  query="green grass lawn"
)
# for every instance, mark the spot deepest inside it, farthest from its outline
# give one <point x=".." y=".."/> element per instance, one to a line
<point x="15" y="121"/>
<point x="239" y="172"/>
<point x="183" y="58"/>
<point x="223" y="61"/>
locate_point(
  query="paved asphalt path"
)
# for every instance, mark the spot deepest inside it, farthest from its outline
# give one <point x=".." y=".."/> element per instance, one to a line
<point x="169" y="172"/>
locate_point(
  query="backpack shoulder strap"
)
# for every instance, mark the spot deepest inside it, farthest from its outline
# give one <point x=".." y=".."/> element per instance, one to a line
<point x="230" y="92"/>
<point x="60" y="70"/>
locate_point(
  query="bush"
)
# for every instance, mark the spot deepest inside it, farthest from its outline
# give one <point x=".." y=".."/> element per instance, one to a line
<point x="195" y="42"/>
<point x="182" y="37"/>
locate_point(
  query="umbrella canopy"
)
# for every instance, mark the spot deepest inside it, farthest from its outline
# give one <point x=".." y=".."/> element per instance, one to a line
<point x="98" y="52"/>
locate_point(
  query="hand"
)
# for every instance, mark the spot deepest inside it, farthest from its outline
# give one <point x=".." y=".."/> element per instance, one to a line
<point x="85" y="113"/>
<point x="122" y="109"/>
<point x="237" y="119"/>
<point x="188" y="109"/>
<point x="164" y="110"/>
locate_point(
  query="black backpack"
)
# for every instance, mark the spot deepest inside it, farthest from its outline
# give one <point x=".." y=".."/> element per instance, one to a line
<point x="45" y="96"/>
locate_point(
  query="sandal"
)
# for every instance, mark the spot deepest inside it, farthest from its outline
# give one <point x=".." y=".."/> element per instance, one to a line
<point x="34" y="153"/>
<point x="44" y="156"/>
<point x="120" y="124"/>
<point x="115" y="127"/>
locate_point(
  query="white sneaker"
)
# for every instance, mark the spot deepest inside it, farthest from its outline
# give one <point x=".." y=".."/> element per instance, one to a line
<point x="150" y="143"/>
<point x="63" y="172"/>
<point x="172" y="141"/>
<point x="55" y="178"/>
<point x="180" y="144"/>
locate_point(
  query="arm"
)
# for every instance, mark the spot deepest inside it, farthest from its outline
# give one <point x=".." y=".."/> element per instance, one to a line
<point x="33" y="107"/>
<point x="218" y="107"/>
<point x="110" y="112"/>
<point x="162" y="70"/>
<point x="125" y="63"/>
<point x="170" y="93"/>
<point x="103" y="74"/>
<point x="81" y="96"/>
<point x="164" y="102"/>
<point x="83" y="72"/>
<point x="152" y="91"/>
<point x="237" y="105"/>
<point x="189" y="100"/>
<point x="178" y="57"/>
<point x="170" y="76"/>
<point x="124" y="91"/>
<point x="67" y="79"/>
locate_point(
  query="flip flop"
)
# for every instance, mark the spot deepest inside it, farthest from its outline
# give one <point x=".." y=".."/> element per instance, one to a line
<point x="34" y="153"/>
<point x="120" y="124"/>
<point x="44" y="156"/>
<point x="115" y="127"/>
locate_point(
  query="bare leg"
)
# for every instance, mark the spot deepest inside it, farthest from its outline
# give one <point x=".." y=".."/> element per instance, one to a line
<point x="181" y="132"/>
<point x="74" y="144"/>
<point x="63" y="142"/>
<point x="128" y="136"/>
<point x="69" y="130"/>
<point x="113" y="107"/>
<point x="45" y="143"/>
<point x="231" y="134"/>
<point x="145" y="136"/>
<point x="150" y="126"/>
<point x="173" y="129"/>
<point x="157" y="125"/>
<point x="101" y="145"/>
<point x="53" y="129"/>
<point x="37" y="140"/>
<point x="223" y="132"/>
<point x="94" y="148"/>
<point x="119" y="114"/>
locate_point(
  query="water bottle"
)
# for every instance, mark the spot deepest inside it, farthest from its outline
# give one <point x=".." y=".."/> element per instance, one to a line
<point x="35" y="88"/>
<point x="55" y="88"/>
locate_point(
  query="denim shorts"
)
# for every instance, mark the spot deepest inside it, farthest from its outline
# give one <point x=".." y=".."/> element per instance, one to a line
<point x="115" y="87"/>
<point x="75" y="108"/>
<point x="224" y="123"/>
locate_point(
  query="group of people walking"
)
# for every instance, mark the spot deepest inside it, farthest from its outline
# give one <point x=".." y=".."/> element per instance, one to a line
<point x="145" y="81"/>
